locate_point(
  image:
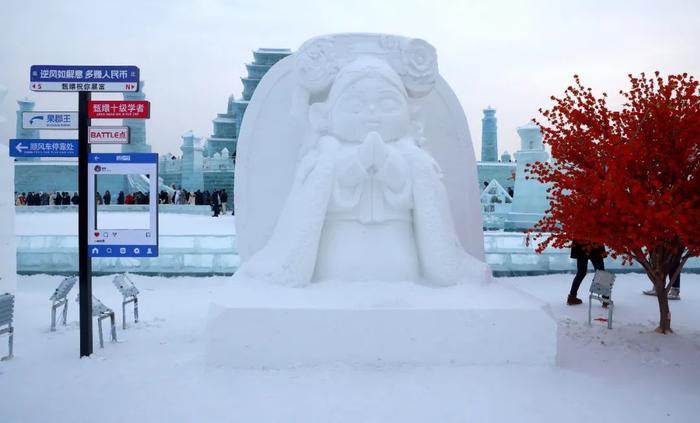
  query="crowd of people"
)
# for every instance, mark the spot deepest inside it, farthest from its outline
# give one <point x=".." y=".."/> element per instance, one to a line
<point x="46" y="199"/>
<point x="137" y="197"/>
<point x="216" y="200"/>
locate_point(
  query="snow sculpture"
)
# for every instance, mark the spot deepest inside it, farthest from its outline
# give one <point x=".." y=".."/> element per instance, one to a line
<point x="367" y="201"/>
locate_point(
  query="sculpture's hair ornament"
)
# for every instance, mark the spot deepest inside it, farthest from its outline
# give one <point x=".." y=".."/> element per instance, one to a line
<point x="364" y="67"/>
<point x="321" y="59"/>
<point x="414" y="61"/>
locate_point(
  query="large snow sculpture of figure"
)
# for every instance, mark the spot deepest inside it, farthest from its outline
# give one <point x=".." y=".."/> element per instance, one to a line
<point x="367" y="201"/>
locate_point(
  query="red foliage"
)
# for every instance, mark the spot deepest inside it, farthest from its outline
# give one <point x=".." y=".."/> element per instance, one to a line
<point x="628" y="179"/>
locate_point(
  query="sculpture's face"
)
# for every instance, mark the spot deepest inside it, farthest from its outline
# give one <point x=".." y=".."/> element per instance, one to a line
<point x="369" y="104"/>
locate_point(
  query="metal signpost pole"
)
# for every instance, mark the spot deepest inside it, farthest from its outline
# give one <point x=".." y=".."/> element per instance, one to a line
<point x="84" y="260"/>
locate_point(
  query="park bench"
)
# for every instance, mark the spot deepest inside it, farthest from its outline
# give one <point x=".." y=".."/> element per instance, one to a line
<point x="7" y="307"/>
<point x="601" y="289"/>
<point x="102" y="312"/>
<point x="60" y="298"/>
<point x="130" y="295"/>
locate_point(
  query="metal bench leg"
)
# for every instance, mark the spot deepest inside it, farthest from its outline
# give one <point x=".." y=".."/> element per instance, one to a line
<point x="99" y="327"/>
<point x="590" y="298"/>
<point x="136" y="310"/>
<point x="65" y="313"/>
<point x="113" y="326"/>
<point x="124" y="314"/>
<point x="610" y="314"/>
<point x="9" y="355"/>
<point x="53" y="317"/>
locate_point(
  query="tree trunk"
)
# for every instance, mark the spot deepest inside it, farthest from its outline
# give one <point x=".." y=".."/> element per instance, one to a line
<point x="664" y="310"/>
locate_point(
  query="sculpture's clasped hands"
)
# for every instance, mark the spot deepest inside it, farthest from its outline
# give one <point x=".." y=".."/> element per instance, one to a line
<point x="373" y="152"/>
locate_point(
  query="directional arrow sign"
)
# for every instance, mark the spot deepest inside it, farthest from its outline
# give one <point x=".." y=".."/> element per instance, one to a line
<point x="21" y="148"/>
<point x="50" y="120"/>
<point x="43" y="148"/>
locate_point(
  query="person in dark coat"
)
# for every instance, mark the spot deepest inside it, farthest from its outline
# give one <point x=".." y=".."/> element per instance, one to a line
<point x="206" y="197"/>
<point x="578" y="252"/>
<point x="216" y="203"/>
<point x="224" y="198"/>
<point x="66" y="198"/>
<point x="107" y="198"/>
<point x="120" y="197"/>
<point x="75" y="199"/>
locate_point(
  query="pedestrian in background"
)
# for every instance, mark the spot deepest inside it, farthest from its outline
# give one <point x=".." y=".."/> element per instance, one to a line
<point x="578" y="252"/>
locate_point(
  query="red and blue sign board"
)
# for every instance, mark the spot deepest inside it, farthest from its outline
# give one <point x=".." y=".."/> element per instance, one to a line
<point x="119" y="109"/>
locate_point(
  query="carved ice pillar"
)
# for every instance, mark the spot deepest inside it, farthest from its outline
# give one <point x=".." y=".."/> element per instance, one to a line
<point x="530" y="196"/>
<point x="8" y="251"/>
<point x="192" y="162"/>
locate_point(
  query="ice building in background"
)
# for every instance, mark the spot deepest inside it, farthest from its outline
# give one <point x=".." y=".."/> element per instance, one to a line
<point x="509" y="200"/>
<point x="228" y="125"/>
<point x="489" y="136"/>
<point x="530" y="200"/>
<point x="490" y="168"/>
<point x="209" y="165"/>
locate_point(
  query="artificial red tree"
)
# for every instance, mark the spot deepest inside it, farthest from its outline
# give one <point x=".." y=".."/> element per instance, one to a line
<point x="628" y="179"/>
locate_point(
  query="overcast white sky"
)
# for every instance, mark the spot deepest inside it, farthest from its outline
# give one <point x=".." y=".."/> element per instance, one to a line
<point x="509" y="54"/>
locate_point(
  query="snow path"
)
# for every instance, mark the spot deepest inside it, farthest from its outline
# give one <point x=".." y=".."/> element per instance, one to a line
<point x="156" y="372"/>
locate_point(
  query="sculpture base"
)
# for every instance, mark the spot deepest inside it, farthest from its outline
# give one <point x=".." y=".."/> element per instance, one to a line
<point x="374" y="324"/>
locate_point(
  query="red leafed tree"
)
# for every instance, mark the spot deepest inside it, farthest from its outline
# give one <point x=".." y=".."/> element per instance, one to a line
<point x="627" y="178"/>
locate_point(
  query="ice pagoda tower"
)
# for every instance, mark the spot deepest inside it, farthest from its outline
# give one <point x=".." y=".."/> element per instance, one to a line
<point x="489" y="136"/>
<point x="489" y="168"/>
<point x="227" y="125"/>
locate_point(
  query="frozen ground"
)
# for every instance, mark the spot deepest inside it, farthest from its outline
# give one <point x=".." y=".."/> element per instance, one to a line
<point x="156" y="372"/>
<point x="66" y="223"/>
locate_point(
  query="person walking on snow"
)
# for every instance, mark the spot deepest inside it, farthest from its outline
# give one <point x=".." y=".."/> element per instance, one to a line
<point x="578" y="252"/>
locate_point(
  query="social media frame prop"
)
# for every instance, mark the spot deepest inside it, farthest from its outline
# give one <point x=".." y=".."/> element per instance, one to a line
<point x="123" y="242"/>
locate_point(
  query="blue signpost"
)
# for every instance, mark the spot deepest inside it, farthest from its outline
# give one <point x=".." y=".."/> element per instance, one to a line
<point x="84" y="80"/>
<point x="43" y="148"/>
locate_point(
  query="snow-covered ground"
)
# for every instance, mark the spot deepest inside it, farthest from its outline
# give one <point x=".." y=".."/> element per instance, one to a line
<point x="157" y="372"/>
<point x="66" y="223"/>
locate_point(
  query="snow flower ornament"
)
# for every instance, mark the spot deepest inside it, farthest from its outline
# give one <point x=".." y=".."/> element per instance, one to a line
<point x="318" y="64"/>
<point x="419" y="67"/>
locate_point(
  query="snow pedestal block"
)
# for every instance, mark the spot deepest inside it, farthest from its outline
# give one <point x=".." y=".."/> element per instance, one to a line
<point x="371" y="324"/>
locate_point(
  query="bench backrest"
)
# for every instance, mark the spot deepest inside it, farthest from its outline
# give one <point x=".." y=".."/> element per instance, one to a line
<point x="602" y="283"/>
<point x="63" y="288"/>
<point x="125" y="285"/>
<point x="7" y="308"/>
<point x="97" y="306"/>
